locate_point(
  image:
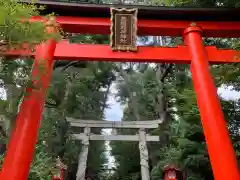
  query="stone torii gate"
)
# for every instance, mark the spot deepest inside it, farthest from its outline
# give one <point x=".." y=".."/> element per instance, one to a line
<point x="141" y="137"/>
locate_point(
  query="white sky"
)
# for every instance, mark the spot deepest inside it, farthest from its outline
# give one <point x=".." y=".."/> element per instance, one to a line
<point x="227" y="93"/>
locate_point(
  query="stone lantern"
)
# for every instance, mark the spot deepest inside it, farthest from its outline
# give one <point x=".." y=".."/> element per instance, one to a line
<point x="171" y="172"/>
<point x="60" y="168"/>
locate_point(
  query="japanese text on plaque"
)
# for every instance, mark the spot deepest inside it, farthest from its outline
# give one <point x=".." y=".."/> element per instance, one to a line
<point x="123" y="30"/>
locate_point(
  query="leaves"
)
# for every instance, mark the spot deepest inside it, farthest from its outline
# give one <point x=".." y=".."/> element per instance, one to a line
<point x="81" y="93"/>
<point x="15" y="28"/>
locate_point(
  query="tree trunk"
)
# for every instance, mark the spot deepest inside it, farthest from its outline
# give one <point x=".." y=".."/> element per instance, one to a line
<point x="132" y="95"/>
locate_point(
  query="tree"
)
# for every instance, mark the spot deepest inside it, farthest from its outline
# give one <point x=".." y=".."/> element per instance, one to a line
<point x="64" y="97"/>
<point x="15" y="31"/>
<point x="149" y="91"/>
<point x="78" y="91"/>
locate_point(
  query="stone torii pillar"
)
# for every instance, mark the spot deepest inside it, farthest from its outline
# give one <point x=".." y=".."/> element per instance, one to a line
<point x="82" y="162"/>
<point x="144" y="155"/>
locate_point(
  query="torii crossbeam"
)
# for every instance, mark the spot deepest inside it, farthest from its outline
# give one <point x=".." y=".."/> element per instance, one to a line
<point x="191" y="23"/>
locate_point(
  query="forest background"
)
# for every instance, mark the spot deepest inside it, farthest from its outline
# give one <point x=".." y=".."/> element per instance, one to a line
<point x="145" y="92"/>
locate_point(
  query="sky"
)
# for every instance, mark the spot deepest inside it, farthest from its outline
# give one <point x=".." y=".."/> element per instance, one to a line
<point x="227" y="93"/>
<point x="115" y="110"/>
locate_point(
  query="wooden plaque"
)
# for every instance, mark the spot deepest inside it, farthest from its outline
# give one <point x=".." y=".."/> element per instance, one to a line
<point x="123" y="29"/>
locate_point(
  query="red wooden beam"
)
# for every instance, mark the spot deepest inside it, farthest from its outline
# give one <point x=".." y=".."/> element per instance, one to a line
<point x="146" y="27"/>
<point x="220" y="150"/>
<point x="92" y="52"/>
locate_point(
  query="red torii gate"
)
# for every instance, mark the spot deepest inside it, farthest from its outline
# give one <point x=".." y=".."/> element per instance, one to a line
<point x="21" y="146"/>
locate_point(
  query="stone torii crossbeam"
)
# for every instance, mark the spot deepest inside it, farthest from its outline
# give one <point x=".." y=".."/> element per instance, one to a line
<point x="141" y="137"/>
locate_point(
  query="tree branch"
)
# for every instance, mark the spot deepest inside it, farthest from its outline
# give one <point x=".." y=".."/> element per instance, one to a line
<point x="132" y="96"/>
<point x="50" y="105"/>
<point x="66" y="64"/>
<point x="165" y="72"/>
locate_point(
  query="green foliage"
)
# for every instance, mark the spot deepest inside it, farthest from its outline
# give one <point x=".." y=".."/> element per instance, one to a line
<point x="198" y="3"/>
<point x="78" y="93"/>
<point x="82" y="93"/>
<point x="41" y="166"/>
<point x="42" y="163"/>
<point x="15" y="27"/>
<point x="15" y="30"/>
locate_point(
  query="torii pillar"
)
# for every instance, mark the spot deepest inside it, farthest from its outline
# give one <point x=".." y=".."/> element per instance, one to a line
<point x="24" y="137"/>
<point x="220" y="149"/>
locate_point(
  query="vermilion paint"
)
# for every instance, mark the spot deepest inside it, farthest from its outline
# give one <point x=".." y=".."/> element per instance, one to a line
<point x="24" y="137"/>
<point x="60" y="176"/>
<point x="83" y="52"/>
<point x="170" y="175"/>
<point x="221" y="152"/>
<point x="90" y="25"/>
<point x="21" y="146"/>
